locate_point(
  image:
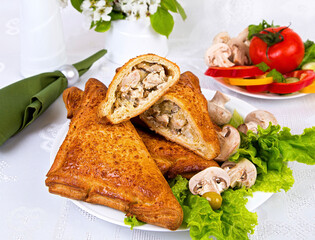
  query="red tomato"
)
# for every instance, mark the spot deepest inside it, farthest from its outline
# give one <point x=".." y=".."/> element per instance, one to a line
<point x="284" y="56"/>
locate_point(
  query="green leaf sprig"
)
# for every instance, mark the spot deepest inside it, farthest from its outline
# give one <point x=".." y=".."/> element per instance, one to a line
<point x="277" y="76"/>
<point x="255" y="29"/>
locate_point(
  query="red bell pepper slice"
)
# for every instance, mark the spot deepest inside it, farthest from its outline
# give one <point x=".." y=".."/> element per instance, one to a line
<point x="234" y="72"/>
<point x="306" y="78"/>
<point x="258" y="88"/>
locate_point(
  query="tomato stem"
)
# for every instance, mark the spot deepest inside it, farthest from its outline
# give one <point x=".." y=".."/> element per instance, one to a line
<point x="271" y="38"/>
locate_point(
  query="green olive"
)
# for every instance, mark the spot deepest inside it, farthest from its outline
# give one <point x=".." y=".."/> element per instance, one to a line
<point x="214" y="199"/>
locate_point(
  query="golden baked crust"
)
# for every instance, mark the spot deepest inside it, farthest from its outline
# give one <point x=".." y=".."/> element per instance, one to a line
<point x="72" y="97"/>
<point x="186" y="94"/>
<point x="171" y="158"/>
<point x="107" y="164"/>
<point x="118" y="108"/>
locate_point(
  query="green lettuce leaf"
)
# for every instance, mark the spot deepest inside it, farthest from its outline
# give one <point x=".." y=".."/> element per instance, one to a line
<point x="309" y="55"/>
<point x="133" y="222"/>
<point x="236" y="119"/>
<point x="274" y="180"/>
<point x="179" y="186"/>
<point x="270" y="150"/>
<point x="300" y="148"/>
<point x="231" y="221"/>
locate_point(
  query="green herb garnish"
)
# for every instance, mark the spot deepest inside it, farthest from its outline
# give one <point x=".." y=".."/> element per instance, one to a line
<point x="277" y="76"/>
<point x="255" y="29"/>
<point x="263" y="66"/>
<point x="133" y="222"/>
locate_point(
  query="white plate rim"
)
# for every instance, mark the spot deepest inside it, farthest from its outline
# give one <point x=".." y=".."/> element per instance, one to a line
<point x="258" y="198"/>
<point x="270" y="96"/>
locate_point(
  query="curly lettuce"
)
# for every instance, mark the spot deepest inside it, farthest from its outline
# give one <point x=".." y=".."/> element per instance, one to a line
<point x="300" y="148"/>
<point x="270" y="150"/>
<point x="236" y="119"/>
<point x="231" y="221"/>
<point x="133" y="222"/>
<point x="309" y="55"/>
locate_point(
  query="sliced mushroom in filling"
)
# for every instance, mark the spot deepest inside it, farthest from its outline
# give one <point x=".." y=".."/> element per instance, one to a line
<point x="169" y="115"/>
<point x="144" y="79"/>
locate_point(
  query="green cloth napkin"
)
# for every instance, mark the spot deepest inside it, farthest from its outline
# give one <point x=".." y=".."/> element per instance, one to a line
<point x="23" y="101"/>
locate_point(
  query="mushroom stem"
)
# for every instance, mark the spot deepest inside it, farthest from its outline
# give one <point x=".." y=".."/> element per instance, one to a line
<point x="217" y="111"/>
<point x="230" y="141"/>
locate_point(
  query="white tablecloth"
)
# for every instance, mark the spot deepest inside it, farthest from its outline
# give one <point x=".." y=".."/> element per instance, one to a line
<point x="28" y="211"/>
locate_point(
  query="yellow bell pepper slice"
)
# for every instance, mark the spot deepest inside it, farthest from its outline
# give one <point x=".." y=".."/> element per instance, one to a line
<point x="309" y="89"/>
<point x="249" y="81"/>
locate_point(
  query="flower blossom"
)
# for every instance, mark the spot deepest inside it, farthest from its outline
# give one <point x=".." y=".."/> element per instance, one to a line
<point x="96" y="10"/>
<point x="135" y="9"/>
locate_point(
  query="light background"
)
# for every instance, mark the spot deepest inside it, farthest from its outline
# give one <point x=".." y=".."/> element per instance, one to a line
<point x="29" y="212"/>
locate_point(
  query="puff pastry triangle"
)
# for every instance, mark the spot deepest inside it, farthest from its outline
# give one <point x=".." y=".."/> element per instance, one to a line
<point x="107" y="164"/>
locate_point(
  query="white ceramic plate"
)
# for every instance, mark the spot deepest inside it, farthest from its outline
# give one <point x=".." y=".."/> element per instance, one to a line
<point x="243" y="91"/>
<point x="117" y="217"/>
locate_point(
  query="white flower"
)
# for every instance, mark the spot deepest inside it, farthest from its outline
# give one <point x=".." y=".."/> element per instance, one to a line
<point x="102" y="13"/>
<point x="135" y="9"/>
<point x="100" y="3"/>
<point x="96" y="10"/>
<point x="86" y="4"/>
<point x="153" y="7"/>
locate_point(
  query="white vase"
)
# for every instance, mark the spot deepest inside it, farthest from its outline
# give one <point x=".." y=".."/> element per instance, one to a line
<point x="128" y="39"/>
<point x="42" y="40"/>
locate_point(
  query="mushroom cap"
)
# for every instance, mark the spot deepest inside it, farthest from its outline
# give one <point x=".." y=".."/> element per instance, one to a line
<point x="243" y="173"/>
<point x="222" y="37"/>
<point x="218" y="55"/>
<point x="212" y="179"/>
<point x="230" y="141"/>
<point x="217" y="111"/>
<point x="255" y="118"/>
<point x="240" y="48"/>
<point x="262" y="118"/>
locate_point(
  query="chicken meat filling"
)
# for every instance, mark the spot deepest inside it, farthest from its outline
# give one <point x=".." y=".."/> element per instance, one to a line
<point x="144" y="79"/>
<point x="169" y="115"/>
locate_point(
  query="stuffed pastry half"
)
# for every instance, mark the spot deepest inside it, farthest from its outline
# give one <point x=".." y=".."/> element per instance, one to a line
<point x="137" y="86"/>
<point x="171" y="158"/>
<point x="107" y="164"/>
<point x="181" y="116"/>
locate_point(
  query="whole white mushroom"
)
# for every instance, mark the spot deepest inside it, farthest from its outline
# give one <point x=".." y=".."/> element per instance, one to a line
<point x="257" y="118"/>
